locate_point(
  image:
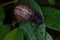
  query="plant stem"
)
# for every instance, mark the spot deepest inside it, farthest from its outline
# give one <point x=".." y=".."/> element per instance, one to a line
<point x="7" y="3"/>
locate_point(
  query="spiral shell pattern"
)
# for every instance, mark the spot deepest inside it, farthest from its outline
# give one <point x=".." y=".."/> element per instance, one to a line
<point x="23" y="12"/>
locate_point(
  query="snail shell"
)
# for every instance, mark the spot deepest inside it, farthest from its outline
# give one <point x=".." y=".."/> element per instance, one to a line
<point x="23" y="12"/>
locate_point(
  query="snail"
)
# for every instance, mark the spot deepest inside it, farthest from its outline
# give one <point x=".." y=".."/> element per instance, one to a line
<point x="23" y="12"/>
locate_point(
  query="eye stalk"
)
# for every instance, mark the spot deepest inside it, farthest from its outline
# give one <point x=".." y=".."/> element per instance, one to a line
<point x="23" y="13"/>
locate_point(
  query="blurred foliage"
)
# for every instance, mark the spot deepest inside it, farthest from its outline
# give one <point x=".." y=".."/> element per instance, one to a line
<point x="1" y="15"/>
<point x="48" y="36"/>
<point x="28" y="29"/>
<point x="51" y="1"/>
<point x="4" y="29"/>
<point x="14" y="35"/>
<point x="52" y="17"/>
<point x="41" y="32"/>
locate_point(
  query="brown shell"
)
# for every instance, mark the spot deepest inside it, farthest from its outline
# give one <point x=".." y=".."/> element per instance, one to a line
<point x="23" y="12"/>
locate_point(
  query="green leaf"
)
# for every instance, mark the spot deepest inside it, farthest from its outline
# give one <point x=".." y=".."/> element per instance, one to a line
<point x="13" y="35"/>
<point x="52" y="17"/>
<point x="41" y="29"/>
<point x="34" y="5"/>
<point x="19" y="35"/>
<point x="41" y="32"/>
<point x="1" y="15"/>
<point x="28" y="30"/>
<point x="51" y="1"/>
<point x="4" y="30"/>
<point x="48" y="36"/>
